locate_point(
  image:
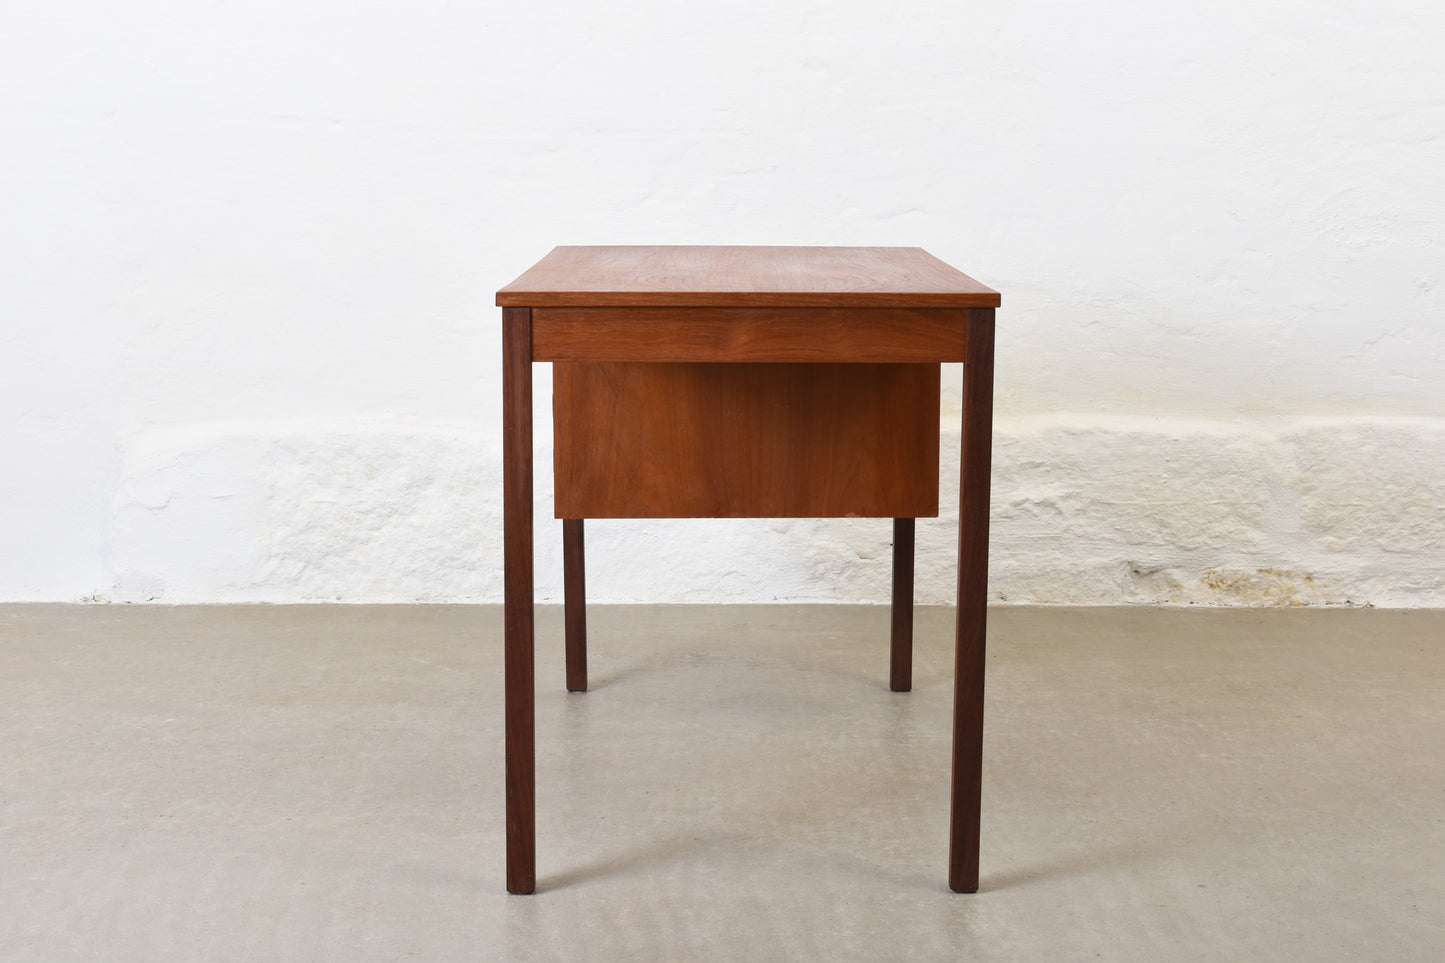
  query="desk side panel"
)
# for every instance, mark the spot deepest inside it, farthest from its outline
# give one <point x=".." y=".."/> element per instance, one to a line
<point x="702" y="440"/>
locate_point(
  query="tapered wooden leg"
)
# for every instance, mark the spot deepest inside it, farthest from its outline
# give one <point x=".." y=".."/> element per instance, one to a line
<point x="900" y="643"/>
<point x="972" y="603"/>
<point x="574" y="595"/>
<point x="517" y="596"/>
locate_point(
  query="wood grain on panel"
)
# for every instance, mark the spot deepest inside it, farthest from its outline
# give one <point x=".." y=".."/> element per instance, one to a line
<point x="745" y="277"/>
<point x="899" y="335"/>
<point x="647" y="440"/>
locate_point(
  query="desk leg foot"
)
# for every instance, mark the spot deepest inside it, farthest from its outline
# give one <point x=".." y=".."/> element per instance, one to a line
<point x="968" y="672"/>
<point x="574" y="595"/>
<point x="519" y="616"/>
<point x="900" y="668"/>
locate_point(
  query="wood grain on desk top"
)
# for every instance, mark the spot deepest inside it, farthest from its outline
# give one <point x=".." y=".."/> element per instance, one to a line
<point x="744" y="277"/>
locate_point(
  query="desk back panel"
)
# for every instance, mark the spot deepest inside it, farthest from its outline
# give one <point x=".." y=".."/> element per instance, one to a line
<point x="708" y="440"/>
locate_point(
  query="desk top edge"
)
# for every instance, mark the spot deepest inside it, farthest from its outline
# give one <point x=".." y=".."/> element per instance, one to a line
<point x="743" y="276"/>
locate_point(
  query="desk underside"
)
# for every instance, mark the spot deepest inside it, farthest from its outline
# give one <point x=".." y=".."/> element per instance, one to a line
<point x="709" y="440"/>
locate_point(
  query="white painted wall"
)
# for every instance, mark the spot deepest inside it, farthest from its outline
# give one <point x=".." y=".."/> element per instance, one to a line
<point x="248" y="253"/>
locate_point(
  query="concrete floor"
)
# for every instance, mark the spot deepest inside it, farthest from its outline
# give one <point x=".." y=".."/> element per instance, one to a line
<point x="319" y="783"/>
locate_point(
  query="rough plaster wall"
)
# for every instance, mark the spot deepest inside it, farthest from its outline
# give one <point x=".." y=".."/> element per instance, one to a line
<point x="1107" y="511"/>
<point x="247" y="255"/>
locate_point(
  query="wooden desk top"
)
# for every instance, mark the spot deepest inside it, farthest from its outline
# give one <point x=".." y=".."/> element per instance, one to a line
<point x="855" y="277"/>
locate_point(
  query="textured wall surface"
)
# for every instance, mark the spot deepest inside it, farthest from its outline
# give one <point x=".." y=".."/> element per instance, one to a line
<point x="1108" y="511"/>
<point x="248" y="252"/>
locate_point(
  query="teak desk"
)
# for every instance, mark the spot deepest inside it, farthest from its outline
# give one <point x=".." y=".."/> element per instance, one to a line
<point x="746" y="382"/>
